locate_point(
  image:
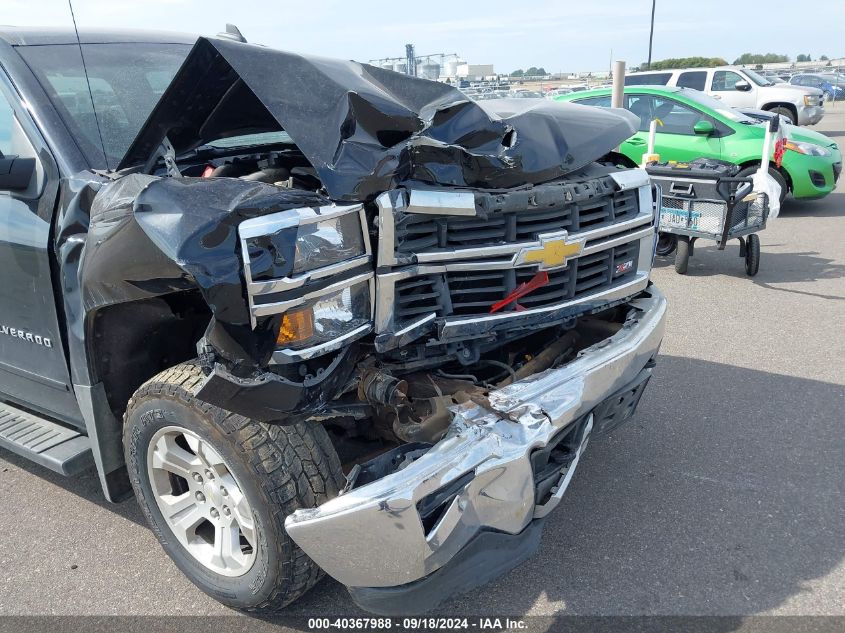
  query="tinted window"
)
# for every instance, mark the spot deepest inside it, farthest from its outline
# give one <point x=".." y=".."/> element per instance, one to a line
<point x="676" y="117"/>
<point x="126" y="83"/>
<point x="693" y="79"/>
<point x="601" y="102"/>
<point x="724" y="80"/>
<point x="650" y="79"/>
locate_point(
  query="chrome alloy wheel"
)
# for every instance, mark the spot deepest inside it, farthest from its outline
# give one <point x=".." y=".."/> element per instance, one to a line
<point x="201" y="501"/>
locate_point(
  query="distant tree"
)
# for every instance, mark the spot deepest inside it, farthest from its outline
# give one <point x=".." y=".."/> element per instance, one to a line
<point x="536" y="72"/>
<point x="686" y="62"/>
<point x="756" y="58"/>
<point x="517" y="73"/>
<point x="803" y="58"/>
<point x="824" y="58"/>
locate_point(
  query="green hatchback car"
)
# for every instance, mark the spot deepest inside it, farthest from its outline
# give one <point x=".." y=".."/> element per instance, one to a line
<point x="696" y="125"/>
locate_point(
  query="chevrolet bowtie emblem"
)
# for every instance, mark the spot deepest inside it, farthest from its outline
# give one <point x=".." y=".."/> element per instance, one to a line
<point x="554" y="251"/>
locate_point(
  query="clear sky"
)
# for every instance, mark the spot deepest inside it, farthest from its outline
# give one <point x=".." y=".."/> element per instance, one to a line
<point x="560" y="35"/>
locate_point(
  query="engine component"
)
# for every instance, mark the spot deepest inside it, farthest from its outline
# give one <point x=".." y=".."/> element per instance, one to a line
<point x="382" y="389"/>
<point x="269" y="174"/>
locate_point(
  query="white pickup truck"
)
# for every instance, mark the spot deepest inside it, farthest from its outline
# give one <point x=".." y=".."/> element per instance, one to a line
<point x="742" y="88"/>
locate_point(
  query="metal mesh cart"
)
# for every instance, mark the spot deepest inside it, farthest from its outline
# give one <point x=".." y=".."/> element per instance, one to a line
<point x="704" y="199"/>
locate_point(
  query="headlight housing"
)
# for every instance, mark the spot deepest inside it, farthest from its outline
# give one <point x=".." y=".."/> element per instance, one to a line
<point x="810" y="149"/>
<point x="326" y="319"/>
<point x="328" y="242"/>
<point x="810" y="100"/>
<point x="312" y="266"/>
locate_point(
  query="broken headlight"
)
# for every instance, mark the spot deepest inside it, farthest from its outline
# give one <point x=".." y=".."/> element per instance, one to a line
<point x="328" y="242"/>
<point x="327" y="319"/>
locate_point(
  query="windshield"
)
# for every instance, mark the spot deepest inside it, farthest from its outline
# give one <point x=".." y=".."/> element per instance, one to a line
<point x="714" y="104"/>
<point x="757" y="79"/>
<point x="127" y="81"/>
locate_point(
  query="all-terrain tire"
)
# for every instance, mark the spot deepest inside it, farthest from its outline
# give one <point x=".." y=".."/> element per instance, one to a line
<point x="279" y="469"/>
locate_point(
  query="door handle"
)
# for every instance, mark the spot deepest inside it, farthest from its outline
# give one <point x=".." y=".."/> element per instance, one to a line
<point x="716" y="96"/>
<point x="636" y="141"/>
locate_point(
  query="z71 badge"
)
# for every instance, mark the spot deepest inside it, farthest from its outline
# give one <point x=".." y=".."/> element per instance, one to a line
<point x="23" y="335"/>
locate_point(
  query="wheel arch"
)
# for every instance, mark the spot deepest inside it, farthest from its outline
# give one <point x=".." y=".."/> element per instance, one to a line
<point x="780" y="170"/>
<point x="128" y="343"/>
<point x="783" y="104"/>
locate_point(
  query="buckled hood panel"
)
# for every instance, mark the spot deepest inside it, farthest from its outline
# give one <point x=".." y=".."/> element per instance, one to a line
<point x="366" y="130"/>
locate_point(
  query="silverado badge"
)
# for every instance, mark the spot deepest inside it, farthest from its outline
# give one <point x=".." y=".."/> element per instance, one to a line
<point x="554" y="251"/>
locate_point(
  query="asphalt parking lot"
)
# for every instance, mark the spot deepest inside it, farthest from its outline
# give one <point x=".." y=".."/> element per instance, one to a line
<point x="723" y="496"/>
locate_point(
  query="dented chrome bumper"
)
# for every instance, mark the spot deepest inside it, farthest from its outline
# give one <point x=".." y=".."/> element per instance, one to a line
<point x="374" y="537"/>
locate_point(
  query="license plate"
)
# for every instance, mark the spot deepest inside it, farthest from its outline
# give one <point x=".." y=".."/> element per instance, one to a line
<point x="679" y="219"/>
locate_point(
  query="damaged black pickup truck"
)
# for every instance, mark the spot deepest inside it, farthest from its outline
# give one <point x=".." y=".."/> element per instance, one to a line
<point x="318" y="316"/>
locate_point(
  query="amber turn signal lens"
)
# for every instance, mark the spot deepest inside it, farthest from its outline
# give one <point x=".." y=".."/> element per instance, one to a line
<point x="296" y="326"/>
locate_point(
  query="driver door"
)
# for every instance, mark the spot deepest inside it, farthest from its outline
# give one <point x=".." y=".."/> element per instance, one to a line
<point x="33" y="366"/>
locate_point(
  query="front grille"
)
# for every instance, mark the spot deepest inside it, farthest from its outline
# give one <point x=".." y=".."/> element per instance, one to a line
<point x="468" y="293"/>
<point x="592" y="205"/>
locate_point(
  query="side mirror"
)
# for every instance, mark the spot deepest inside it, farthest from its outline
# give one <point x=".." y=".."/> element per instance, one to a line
<point x="742" y="86"/>
<point x="703" y="127"/>
<point x="15" y="172"/>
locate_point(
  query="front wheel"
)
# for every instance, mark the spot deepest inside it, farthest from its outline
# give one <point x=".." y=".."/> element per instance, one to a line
<point x="784" y="112"/>
<point x="216" y="488"/>
<point x="749" y="172"/>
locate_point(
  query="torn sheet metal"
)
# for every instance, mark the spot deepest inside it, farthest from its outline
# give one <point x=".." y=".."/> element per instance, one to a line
<point x="366" y="130"/>
<point x="151" y="236"/>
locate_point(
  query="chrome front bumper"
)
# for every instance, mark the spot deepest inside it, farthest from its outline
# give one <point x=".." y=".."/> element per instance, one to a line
<point x="373" y="536"/>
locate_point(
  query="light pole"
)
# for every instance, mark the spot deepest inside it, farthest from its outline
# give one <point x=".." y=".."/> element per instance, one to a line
<point x="651" y="33"/>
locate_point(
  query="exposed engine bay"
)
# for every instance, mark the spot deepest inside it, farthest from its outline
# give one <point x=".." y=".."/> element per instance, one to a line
<point x="414" y="405"/>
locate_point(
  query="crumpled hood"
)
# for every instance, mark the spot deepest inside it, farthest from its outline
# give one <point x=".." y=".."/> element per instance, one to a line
<point x="365" y="129"/>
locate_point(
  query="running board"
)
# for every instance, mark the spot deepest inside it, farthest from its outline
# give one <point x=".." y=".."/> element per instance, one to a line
<point x="59" y="448"/>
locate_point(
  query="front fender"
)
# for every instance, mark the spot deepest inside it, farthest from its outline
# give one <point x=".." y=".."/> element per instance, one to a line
<point x="150" y="236"/>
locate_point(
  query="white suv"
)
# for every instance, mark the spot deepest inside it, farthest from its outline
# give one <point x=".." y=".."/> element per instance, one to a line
<point x="742" y="88"/>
